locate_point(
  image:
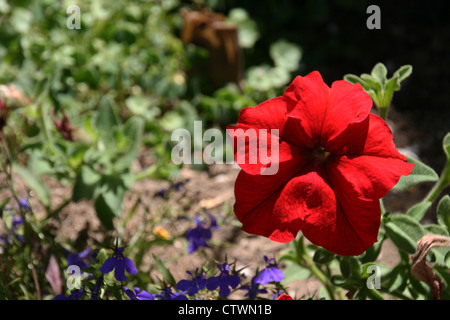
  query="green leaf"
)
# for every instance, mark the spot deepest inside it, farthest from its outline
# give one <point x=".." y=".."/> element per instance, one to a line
<point x="2" y="205"/>
<point x="404" y="231"/>
<point x="86" y="184"/>
<point x="396" y="279"/>
<point x="34" y="183"/>
<point x="355" y="79"/>
<point x="164" y="271"/>
<point x="133" y="130"/>
<point x="322" y="256"/>
<point x="403" y="72"/>
<point x="420" y="173"/>
<point x="350" y="267"/>
<point x="372" y="252"/>
<point x="373" y="82"/>
<point x="418" y="210"/>
<point x="391" y="86"/>
<point x="285" y="55"/>
<point x="107" y="118"/>
<point x="247" y="29"/>
<point x="446" y="145"/>
<point x="104" y="212"/>
<point x="112" y="189"/>
<point x="294" y="272"/>
<point x="438" y="255"/>
<point x="379" y="72"/>
<point x="443" y="212"/>
<point x="436" y="229"/>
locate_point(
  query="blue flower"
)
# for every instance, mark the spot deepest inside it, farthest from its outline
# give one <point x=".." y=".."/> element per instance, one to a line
<point x="253" y="290"/>
<point x="96" y="291"/>
<point x="192" y="286"/>
<point x="199" y="236"/>
<point x="17" y="221"/>
<point x="224" y="280"/>
<point x="270" y="273"/>
<point x="138" y="294"/>
<point x="8" y="238"/>
<point x="167" y="294"/>
<point x="80" y="259"/>
<point x="120" y="264"/>
<point x="276" y="294"/>
<point x="74" y="295"/>
<point x="23" y="203"/>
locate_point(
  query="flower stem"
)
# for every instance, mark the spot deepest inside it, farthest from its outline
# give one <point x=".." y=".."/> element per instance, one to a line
<point x="443" y="181"/>
<point x="383" y="112"/>
<point x="309" y="263"/>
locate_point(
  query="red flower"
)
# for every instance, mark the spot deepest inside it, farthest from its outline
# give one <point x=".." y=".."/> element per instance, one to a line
<point x="284" y="297"/>
<point x="63" y="126"/>
<point x="336" y="160"/>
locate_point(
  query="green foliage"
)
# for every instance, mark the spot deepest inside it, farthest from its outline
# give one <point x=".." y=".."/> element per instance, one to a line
<point x="420" y="173"/>
<point x="379" y="87"/>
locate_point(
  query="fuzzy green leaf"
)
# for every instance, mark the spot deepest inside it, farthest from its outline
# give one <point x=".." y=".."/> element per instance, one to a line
<point x="443" y="212"/>
<point x="404" y="231"/>
<point x="355" y="79"/>
<point x="379" y="72"/>
<point x="446" y="145"/>
<point x="418" y="210"/>
<point x="403" y="72"/>
<point x="420" y="173"/>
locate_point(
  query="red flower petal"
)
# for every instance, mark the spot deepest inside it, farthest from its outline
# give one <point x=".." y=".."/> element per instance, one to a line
<point x="348" y="104"/>
<point x="256" y="197"/>
<point x="284" y="297"/>
<point x="325" y="113"/>
<point x="310" y="96"/>
<point x="371" y="177"/>
<point x="370" y="137"/>
<point x="270" y="114"/>
<point x="266" y="116"/>
<point x="326" y="218"/>
<point x="258" y="151"/>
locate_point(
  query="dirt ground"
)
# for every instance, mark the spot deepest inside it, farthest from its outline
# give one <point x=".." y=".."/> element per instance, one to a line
<point x="213" y="190"/>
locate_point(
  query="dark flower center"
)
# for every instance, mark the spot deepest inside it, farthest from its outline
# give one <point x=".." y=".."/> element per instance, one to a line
<point x="320" y="155"/>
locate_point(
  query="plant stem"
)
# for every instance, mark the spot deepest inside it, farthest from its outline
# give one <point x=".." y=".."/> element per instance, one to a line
<point x="309" y="263"/>
<point x="383" y="112"/>
<point x="443" y="181"/>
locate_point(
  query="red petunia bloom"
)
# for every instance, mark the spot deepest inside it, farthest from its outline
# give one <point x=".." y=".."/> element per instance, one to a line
<point x="335" y="161"/>
<point x="284" y="297"/>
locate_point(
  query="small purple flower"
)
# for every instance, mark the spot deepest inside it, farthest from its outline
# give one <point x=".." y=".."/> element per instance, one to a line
<point x="80" y="259"/>
<point x="253" y="290"/>
<point x="138" y="294"/>
<point x="8" y="238"/>
<point x="167" y="294"/>
<point x="120" y="264"/>
<point x="270" y="273"/>
<point x="74" y="295"/>
<point x="162" y="193"/>
<point x="96" y="291"/>
<point x="17" y="221"/>
<point x="23" y="203"/>
<point x="224" y="280"/>
<point x="192" y="286"/>
<point x="199" y="236"/>
<point x="276" y="294"/>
